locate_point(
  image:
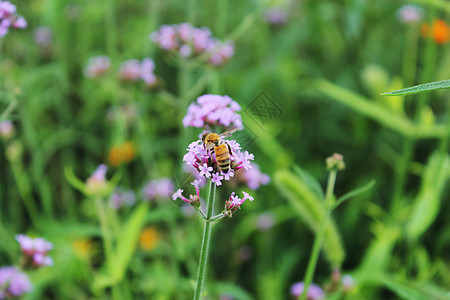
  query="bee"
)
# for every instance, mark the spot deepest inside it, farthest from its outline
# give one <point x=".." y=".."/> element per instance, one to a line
<point x="213" y="142"/>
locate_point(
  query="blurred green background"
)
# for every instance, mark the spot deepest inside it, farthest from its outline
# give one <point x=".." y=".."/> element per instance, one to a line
<point x="323" y="68"/>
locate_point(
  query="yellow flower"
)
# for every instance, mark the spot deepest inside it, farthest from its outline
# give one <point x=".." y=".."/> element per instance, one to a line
<point x="120" y="154"/>
<point x="439" y="31"/>
<point x="149" y="238"/>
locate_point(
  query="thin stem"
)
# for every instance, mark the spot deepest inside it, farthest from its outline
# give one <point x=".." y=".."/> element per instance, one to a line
<point x="319" y="237"/>
<point x="106" y="233"/>
<point x="201" y="274"/>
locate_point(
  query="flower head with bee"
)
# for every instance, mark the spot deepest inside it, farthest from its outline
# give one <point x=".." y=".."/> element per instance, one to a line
<point x="216" y="158"/>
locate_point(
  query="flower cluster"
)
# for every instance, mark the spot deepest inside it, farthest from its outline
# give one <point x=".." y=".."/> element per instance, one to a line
<point x="13" y="282"/>
<point x="8" y="18"/>
<point x="190" y="41"/>
<point x="121" y="197"/>
<point x="97" y="66"/>
<point x="335" y="162"/>
<point x="213" y="110"/>
<point x="204" y="161"/>
<point x="409" y="14"/>
<point x="158" y="188"/>
<point x="35" y="250"/>
<point x="314" y="291"/>
<point x="133" y="70"/>
<point x="234" y="203"/>
<point x="253" y="177"/>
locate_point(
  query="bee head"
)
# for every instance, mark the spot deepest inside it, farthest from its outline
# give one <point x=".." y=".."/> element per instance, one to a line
<point x="204" y="136"/>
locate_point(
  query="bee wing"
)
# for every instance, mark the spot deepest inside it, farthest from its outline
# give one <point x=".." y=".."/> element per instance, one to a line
<point x="228" y="133"/>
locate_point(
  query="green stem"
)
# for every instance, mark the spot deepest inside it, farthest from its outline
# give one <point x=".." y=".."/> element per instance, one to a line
<point x="106" y="233"/>
<point x="319" y="237"/>
<point x="409" y="145"/>
<point x="201" y="274"/>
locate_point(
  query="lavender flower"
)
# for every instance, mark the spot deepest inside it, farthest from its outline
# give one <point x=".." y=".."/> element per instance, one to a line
<point x="97" y="182"/>
<point x="190" y="41"/>
<point x="121" y="197"/>
<point x="8" y="18"/>
<point x="265" y="221"/>
<point x="348" y="282"/>
<point x="194" y="200"/>
<point x="6" y="129"/>
<point x="35" y="250"/>
<point x="276" y="16"/>
<point x="134" y="70"/>
<point x="234" y="203"/>
<point x="213" y="110"/>
<point x="206" y="165"/>
<point x="42" y="36"/>
<point x="314" y="291"/>
<point x="97" y="66"/>
<point x="130" y="70"/>
<point x="409" y="14"/>
<point x="253" y="177"/>
<point x="13" y="282"/>
<point x="159" y="188"/>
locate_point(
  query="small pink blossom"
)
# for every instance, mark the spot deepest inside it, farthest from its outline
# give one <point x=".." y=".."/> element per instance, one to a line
<point x="97" y="66"/>
<point x="216" y="178"/>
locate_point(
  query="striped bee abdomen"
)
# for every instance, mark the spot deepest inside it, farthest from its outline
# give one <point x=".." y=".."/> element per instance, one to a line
<point x="223" y="157"/>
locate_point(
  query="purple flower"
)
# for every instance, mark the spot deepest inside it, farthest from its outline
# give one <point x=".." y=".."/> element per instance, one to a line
<point x="13" y="282"/>
<point x="130" y="70"/>
<point x="213" y="110"/>
<point x="253" y="177"/>
<point x="409" y="14"/>
<point x="134" y="70"/>
<point x="97" y="182"/>
<point x="276" y="16"/>
<point x="35" y="250"/>
<point x="6" y="129"/>
<point x="121" y="197"/>
<point x="204" y="162"/>
<point x="190" y="41"/>
<point x="178" y="194"/>
<point x="205" y="170"/>
<point x="265" y="221"/>
<point x="193" y="199"/>
<point x="43" y="36"/>
<point x="314" y="291"/>
<point x="158" y="188"/>
<point x="216" y="178"/>
<point x="348" y="282"/>
<point x="97" y="66"/>
<point x="8" y="18"/>
<point x="234" y="203"/>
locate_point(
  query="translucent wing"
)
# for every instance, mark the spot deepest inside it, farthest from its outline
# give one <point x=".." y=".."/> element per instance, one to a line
<point x="228" y="133"/>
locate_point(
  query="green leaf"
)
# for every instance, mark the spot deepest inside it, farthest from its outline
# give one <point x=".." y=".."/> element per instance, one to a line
<point x="311" y="210"/>
<point x="408" y="291"/>
<point x="126" y="245"/>
<point x="379" y="113"/>
<point x="421" y="88"/>
<point x="427" y="203"/>
<point x="232" y="290"/>
<point x="354" y="193"/>
<point x="73" y="180"/>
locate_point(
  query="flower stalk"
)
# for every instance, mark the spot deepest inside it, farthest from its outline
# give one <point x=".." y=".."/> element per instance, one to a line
<point x="334" y="163"/>
<point x="206" y="240"/>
